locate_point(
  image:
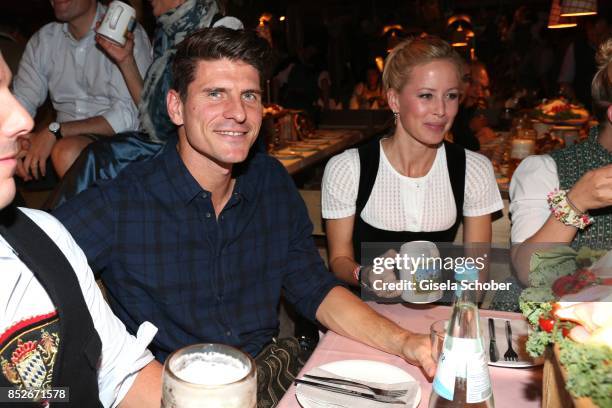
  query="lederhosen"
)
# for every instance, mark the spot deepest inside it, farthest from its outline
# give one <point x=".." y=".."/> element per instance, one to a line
<point x="369" y="158"/>
<point x="61" y="349"/>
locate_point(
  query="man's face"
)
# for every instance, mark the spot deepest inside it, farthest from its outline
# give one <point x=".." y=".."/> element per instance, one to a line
<point x="221" y="115"/>
<point x="15" y="122"/>
<point x="478" y="87"/>
<point x="68" y="10"/>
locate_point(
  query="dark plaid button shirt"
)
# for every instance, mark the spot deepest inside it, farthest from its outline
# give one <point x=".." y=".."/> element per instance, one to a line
<point x="164" y="257"/>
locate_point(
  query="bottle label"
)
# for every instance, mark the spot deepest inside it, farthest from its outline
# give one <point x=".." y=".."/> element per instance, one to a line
<point x="463" y="358"/>
<point x="444" y="381"/>
<point x="478" y="381"/>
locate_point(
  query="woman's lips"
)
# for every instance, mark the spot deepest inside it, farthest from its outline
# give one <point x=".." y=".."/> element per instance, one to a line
<point x="436" y="127"/>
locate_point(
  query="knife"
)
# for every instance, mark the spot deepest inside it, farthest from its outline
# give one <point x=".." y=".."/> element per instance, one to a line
<point x="377" y="398"/>
<point x="493" y="353"/>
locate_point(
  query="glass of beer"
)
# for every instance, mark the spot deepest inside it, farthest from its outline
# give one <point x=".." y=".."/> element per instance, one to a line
<point x="209" y="375"/>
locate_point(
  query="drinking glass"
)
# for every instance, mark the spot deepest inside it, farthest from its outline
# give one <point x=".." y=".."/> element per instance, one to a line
<point x="437" y="331"/>
<point x="209" y="375"/>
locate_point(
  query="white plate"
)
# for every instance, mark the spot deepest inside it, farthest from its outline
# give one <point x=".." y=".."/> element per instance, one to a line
<point x="360" y="370"/>
<point x="520" y="332"/>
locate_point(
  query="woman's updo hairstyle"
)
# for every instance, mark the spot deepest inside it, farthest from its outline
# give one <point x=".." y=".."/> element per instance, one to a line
<point x="417" y="51"/>
<point x="601" y="87"/>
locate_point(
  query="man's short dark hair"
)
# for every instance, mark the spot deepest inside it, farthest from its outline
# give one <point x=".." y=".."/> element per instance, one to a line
<point x="211" y="44"/>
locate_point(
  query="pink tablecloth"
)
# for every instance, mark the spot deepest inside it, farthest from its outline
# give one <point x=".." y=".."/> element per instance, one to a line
<point x="511" y="387"/>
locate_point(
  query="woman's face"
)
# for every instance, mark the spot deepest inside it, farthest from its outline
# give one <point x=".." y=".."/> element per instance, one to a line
<point x="162" y="6"/>
<point x="428" y="102"/>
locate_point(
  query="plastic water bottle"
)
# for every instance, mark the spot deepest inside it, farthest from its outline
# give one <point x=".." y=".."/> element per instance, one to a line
<point x="462" y="378"/>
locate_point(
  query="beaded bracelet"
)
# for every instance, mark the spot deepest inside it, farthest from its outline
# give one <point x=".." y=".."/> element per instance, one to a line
<point x="566" y="213"/>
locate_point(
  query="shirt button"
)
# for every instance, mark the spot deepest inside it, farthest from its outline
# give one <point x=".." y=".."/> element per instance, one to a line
<point x="222" y="217"/>
<point x="204" y="195"/>
<point x="208" y="215"/>
<point x="228" y="333"/>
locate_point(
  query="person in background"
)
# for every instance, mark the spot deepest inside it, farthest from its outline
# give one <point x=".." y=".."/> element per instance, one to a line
<point x="202" y="238"/>
<point x="471" y="126"/>
<point x="86" y="88"/>
<point x="105" y="158"/>
<point x="382" y="191"/>
<point x="12" y="44"/>
<point x="54" y="317"/>
<point x="579" y="64"/>
<point x="565" y="197"/>
<point x="369" y="94"/>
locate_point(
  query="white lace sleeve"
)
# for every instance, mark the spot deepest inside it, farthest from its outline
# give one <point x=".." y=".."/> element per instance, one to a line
<point x="340" y="185"/>
<point x="533" y="179"/>
<point x="481" y="192"/>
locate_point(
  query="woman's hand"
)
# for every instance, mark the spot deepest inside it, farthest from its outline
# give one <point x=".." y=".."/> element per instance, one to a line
<point x="593" y="190"/>
<point x="375" y="279"/>
<point x="120" y="55"/>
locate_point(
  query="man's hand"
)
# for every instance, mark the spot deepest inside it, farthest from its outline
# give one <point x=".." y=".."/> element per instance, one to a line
<point x="593" y="190"/>
<point x="35" y="160"/>
<point x="417" y="351"/>
<point x="386" y="276"/>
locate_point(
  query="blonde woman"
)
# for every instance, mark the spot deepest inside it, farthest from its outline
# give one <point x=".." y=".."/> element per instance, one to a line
<point x="410" y="185"/>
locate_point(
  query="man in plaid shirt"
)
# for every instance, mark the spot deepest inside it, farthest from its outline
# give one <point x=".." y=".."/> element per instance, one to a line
<point x="202" y="239"/>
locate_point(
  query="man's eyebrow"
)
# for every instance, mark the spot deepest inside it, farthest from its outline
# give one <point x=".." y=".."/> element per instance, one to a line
<point x="214" y="89"/>
<point x="255" y="91"/>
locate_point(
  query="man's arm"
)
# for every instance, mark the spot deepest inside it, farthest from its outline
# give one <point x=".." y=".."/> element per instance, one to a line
<point x="30" y="84"/>
<point x="146" y="389"/>
<point x="347" y="315"/>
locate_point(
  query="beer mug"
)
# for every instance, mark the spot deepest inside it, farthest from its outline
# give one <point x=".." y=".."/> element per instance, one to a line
<point x="119" y="19"/>
<point x="423" y="269"/>
<point x="209" y="375"/>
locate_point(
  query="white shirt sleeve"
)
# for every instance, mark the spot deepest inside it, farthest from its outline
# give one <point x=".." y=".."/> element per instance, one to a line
<point x="481" y="192"/>
<point x="340" y="184"/>
<point x="123" y="114"/>
<point x="123" y="355"/>
<point x="30" y="84"/>
<point x="533" y="179"/>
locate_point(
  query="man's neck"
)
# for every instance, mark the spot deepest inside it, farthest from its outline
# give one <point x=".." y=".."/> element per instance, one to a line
<point x="211" y="176"/>
<point x="80" y="26"/>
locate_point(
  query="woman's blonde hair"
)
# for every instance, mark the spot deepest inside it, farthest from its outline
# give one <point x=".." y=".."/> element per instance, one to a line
<point x="417" y="51"/>
<point x="601" y="87"/>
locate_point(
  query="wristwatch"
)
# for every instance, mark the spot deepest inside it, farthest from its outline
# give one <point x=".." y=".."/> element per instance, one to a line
<point x="54" y="127"/>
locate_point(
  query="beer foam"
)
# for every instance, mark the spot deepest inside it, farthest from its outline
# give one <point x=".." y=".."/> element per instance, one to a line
<point x="209" y="368"/>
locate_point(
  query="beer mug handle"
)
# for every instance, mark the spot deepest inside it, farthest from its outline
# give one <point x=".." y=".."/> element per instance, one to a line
<point x="114" y="18"/>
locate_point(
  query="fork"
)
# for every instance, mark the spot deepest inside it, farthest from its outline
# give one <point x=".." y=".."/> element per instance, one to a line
<point x="375" y="390"/>
<point x="510" y="354"/>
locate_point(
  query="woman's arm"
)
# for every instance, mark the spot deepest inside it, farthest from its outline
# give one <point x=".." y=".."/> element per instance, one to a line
<point x="340" y="245"/>
<point x="592" y="191"/>
<point x="126" y="62"/>
<point x="477" y="229"/>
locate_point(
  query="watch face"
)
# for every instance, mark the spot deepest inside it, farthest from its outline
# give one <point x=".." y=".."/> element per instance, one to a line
<point x="54" y="127"/>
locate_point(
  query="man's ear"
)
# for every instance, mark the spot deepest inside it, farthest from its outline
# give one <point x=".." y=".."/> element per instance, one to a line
<point x="609" y="113"/>
<point x="393" y="100"/>
<point x="174" y="104"/>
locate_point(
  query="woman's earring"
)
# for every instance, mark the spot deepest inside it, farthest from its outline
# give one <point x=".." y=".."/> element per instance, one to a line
<point x="395" y="116"/>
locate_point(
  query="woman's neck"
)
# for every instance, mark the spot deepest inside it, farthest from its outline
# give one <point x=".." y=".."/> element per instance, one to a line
<point x="408" y="156"/>
<point x="605" y="137"/>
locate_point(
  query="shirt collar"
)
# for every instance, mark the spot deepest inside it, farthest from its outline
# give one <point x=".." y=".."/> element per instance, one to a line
<point x="100" y="11"/>
<point x="187" y="186"/>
